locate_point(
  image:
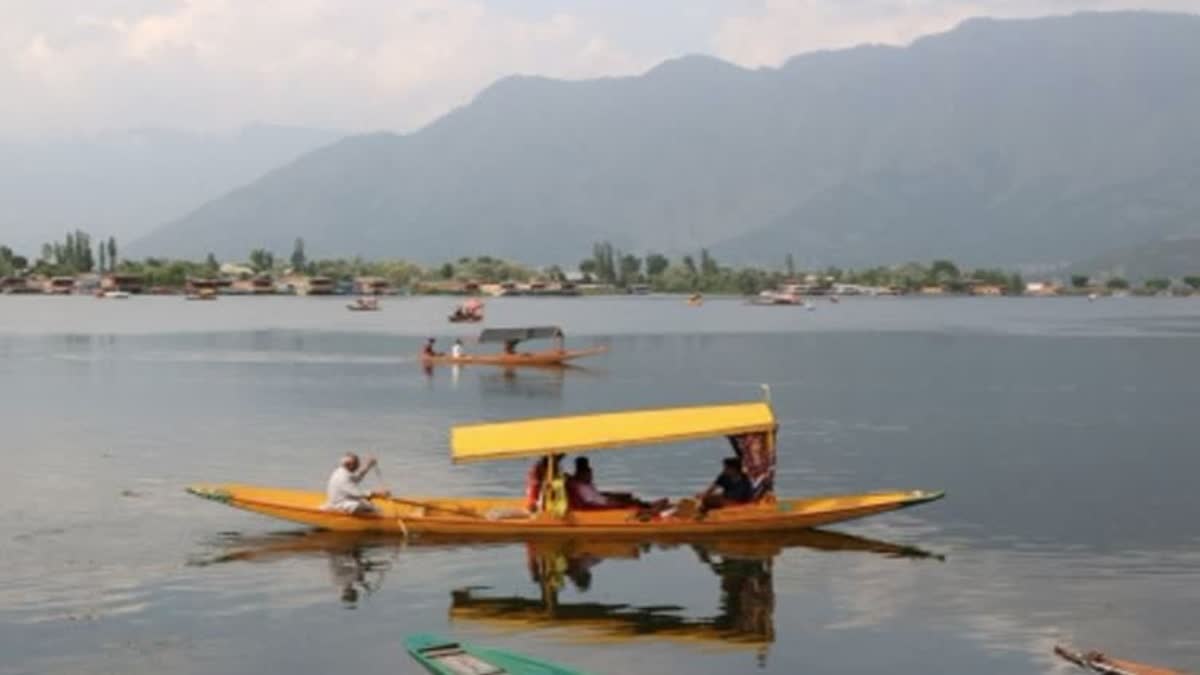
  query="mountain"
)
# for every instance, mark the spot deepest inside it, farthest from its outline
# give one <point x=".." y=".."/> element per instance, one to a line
<point x="1000" y="142"/>
<point x="1171" y="258"/>
<point x="126" y="183"/>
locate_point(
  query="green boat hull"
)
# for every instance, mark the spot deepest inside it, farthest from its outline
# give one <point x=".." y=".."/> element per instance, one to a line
<point x="444" y="656"/>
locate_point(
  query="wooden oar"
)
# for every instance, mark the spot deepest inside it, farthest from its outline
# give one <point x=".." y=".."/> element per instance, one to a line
<point x="435" y="507"/>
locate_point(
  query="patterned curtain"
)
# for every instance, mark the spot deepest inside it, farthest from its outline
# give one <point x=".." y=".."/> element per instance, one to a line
<point x="757" y="452"/>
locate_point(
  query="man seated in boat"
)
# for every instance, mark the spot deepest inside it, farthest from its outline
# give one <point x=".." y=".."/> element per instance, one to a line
<point x="731" y="487"/>
<point x="582" y="494"/>
<point x="457" y="349"/>
<point x="510" y="346"/>
<point x="343" y="492"/>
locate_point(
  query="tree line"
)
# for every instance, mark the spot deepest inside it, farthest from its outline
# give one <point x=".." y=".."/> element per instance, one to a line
<point x="77" y="254"/>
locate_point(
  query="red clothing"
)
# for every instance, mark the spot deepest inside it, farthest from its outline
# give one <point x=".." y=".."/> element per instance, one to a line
<point x="533" y="484"/>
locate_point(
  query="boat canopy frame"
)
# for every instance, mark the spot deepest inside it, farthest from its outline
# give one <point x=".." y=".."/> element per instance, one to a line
<point x="520" y="334"/>
<point x="750" y="428"/>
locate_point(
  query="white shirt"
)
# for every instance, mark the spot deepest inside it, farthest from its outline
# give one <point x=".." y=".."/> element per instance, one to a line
<point x="342" y="492"/>
<point x="456" y="351"/>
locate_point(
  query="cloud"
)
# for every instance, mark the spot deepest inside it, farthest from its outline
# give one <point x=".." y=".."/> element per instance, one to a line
<point x="361" y="64"/>
<point x="775" y="30"/>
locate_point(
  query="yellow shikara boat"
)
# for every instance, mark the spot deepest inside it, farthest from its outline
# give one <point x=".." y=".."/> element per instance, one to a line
<point x="750" y="428"/>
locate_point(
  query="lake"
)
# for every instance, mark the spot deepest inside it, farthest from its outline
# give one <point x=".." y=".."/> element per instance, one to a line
<point x="1064" y="432"/>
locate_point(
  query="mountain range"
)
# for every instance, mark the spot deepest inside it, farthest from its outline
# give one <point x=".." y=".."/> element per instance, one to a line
<point x="126" y="183"/>
<point x="1001" y="142"/>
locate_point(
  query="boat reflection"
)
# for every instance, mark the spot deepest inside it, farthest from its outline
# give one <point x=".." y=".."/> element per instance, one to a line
<point x="535" y="381"/>
<point x="743" y="566"/>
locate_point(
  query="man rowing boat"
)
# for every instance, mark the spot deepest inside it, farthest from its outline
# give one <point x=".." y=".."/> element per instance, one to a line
<point x="343" y="492"/>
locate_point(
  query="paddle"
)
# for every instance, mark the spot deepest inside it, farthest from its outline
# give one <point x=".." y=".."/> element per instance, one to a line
<point x="435" y="507"/>
<point x="427" y="505"/>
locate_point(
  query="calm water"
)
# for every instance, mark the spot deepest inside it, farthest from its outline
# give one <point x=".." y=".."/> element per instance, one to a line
<point x="1064" y="431"/>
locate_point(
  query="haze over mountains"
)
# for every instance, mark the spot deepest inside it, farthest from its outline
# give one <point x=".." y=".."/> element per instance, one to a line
<point x="126" y="183"/>
<point x="1001" y="142"/>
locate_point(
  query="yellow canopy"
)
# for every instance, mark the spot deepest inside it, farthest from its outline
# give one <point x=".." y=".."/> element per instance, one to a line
<point x="599" y="431"/>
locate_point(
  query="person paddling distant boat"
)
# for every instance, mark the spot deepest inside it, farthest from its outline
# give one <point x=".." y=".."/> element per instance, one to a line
<point x="429" y="349"/>
<point x="343" y="492"/>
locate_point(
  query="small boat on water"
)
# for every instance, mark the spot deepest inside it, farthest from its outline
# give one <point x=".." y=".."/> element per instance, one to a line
<point x="202" y="294"/>
<point x="116" y="295"/>
<point x="511" y="338"/>
<point x="787" y="295"/>
<point x="470" y="311"/>
<point x="443" y="656"/>
<point x="364" y="305"/>
<point x="1099" y="663"/>
<point x="749" y="427"/>
<point x="695" y="300"/>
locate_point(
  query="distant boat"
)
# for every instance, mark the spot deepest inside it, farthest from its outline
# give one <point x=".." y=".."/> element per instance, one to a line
<point x="787" y="295"/>
<point x="470" y="311"/>
<point x="696" y="300"/>
<point x="364" y="305"/>
<point x="202" y="294"/>
<point x="116" y="295"/>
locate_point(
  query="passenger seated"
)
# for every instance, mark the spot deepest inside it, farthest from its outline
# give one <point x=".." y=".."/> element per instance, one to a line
<point x="731" y="487"/>
<point x="582" y="494"/>
<point x="535" y="479"/>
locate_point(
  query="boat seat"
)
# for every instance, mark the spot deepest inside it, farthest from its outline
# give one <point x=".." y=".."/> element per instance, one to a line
<point x="456" y="660"/>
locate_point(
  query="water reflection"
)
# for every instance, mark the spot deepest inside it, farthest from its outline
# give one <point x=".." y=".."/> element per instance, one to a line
<point x="742" y="566"/>
<point x="529" y="382"/>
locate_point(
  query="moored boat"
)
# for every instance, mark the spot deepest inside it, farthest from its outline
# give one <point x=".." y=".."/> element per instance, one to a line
<point x="749" y="427"/>
<point x="443" y="656"/>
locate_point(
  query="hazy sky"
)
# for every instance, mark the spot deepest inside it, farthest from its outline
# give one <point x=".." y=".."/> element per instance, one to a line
<point x="77" y="66"/>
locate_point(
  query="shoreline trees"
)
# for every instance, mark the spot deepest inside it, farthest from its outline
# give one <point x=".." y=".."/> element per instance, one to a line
<point x="607" y="266"/>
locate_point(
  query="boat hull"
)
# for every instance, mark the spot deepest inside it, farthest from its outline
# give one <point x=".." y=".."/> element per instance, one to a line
<point x="552" y="357"/>
<point x="443" y="656"/>
<point x="1100" y="663"/>
<point x="483" y="516"/>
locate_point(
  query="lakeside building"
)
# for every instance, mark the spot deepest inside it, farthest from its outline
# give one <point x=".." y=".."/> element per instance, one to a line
<point x="59" y="286"/>
<point x="315" y="285"/>
<point x="974" y="288"/>
<point x="125" y="283"/>
<point x="261" y="284"/>
<point x="372" y="286"/>
<point x="19" y="285"/>
<point x="1042" y="288"/>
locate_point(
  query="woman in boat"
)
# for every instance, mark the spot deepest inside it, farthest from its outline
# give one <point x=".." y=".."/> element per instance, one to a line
<point x="731" y="487"/>
<point x="535" y="479"/>
<point x="582" y="494"/>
